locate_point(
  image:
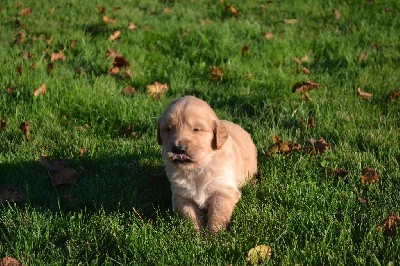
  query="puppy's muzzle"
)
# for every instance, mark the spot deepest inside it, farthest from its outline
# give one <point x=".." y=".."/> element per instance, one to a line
<point x="179" y="154"/>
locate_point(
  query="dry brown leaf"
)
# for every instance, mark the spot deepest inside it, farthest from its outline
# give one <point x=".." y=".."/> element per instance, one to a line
<point x="72" y="44"/>
<point x="216" y="73"/>
<point x="55" y="164"/>
<point x="338" y="15"/>
<point x="120" y="62"/>
<point x="339" y="172"/>
<point x="57" y="56"/>
<point x="284" y="147"/>
<point x="12" y="193"/>
<point x="9" y="261"/>
<point x="127" y="131"/>
<point x="101" y="9"/>
<point x="115" y="35"/>
<point x="157" y="90"/>
<point x="306" y="71"/>
<point x="394" y="96"/>
<point x="363" y="94"/>
<point x="27" y="55"/>
<point x="10" y="90"/>
<point x="297" y="60"/>
<point x="244" y="50"/>
<point x="362" y="57"/>
<point x="318" y="146"/>
<point x="308" y="123"/>
<point x="290" y="21"/>
<point x="26" y="130"/>
<point x="259" y="254"/>
<point x="3" y="124"/>
<point x="108" y="20"/>
<point x="304" y="86"/>
<point x="66" y="176"/>
<point x="132" y="26"/>
<point x="19" y="69"/>
<point x="390" y="225"/>
<point x="21" y="37"/>
<point x="82" y="151"/>
<point x="111" y="53"/>
<point x="41" y="90"/>
<point x="369" y="176"/>
<point x="114" y="70"/>
<point x="269" y="35"/>
<point x="26" y="12"/>
<point x="232" y="11"/>
<point x="129" y="90"/>
<point x="50" y="67"/>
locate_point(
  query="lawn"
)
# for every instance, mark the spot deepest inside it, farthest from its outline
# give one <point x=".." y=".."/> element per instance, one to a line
<point x="83" y="82"/>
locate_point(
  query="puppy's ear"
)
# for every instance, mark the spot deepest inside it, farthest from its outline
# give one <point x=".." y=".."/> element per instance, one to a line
<point x="158" y="132"/>
<point x="220" y="135"/>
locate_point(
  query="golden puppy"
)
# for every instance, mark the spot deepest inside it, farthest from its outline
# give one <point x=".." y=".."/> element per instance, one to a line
<point x="207" y="161"/>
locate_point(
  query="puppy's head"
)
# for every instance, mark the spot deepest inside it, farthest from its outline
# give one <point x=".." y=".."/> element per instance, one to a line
<point x="189" y="132"/>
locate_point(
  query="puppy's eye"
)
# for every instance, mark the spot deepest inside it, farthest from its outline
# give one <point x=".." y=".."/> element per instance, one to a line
<point x="196" y="129"/>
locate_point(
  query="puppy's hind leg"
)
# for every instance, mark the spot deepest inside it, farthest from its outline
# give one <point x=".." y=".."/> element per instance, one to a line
<point x="188" y="209"/>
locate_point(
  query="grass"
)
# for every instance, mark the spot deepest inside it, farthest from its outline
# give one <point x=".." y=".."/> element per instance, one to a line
<point x="118" y="212"/>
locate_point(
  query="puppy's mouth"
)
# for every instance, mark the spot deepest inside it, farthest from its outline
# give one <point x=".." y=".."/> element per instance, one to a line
<point x="181" y="158"/>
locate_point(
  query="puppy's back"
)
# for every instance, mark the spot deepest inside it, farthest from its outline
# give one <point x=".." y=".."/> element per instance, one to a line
<point x="247" y="150"/>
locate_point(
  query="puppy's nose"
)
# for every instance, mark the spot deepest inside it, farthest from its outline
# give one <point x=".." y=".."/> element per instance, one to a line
<point x="180" y="149"/>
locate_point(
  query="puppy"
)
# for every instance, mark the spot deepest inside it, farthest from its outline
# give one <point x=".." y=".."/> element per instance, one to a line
<point x="207" y="161"/>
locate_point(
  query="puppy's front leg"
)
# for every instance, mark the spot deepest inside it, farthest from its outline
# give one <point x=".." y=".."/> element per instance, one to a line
<point x="220" y="209"/>
<point x="189" y="210"/>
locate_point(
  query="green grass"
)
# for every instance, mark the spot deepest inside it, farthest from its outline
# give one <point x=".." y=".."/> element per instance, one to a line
<point x="122" y="216"/>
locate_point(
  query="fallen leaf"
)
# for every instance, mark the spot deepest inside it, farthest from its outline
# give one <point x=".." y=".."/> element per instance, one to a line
<point x="129" y="90"/>
<point x="232" y="11"/>
<point x="363" y="94"/>
<point x="318" y="146"/>
<point x="120" y="62"/>
<point x="308" y="123"/>
<point x="66" y="176"/>
<point x="108" y="20"/>
<point x="362" y="200"/>
<point x="167" y="10"/>
<point x="390" y="225"/>
<point x="394" y="96"/>
<point x="339" y="172"/>
<point x="216" y="73"/>
<point x="290" y="21"/>
<point x="26" y="12"/>
<point x="244" y="50"/>
<point x="19" y="69"/>
<point x="41" y="90"/>
<point x="26" y="129"/>
<point x="306" y="71"/>
<point x="269" y="35"/>
<point x="132" y="26"/>
<point x="18" y="4"/>
<point x="157" y="89"/>
<point x="111" y="53"/>
<point x="12" y="193"/>
<point x="115" y="35"/>
<point x="127" y="131"/>
<point x="21" y="37"/>
<point x="259" y="254"/>
<point x="9" y="261"/>
<point x="338" y="15"/>
<point x="362" y="57"/>
<point x="10" y="90"/>
<point x="304" y="86"/>
<point x="55" y="164"/>
<point x="82" y="151"/>
<point x="57" y="56"/>
<point x="27" y="55"/>
<point x="50" y="67"/>
<point x="3" y="124"/>
<point x="101" y="9"/>
<point x="297" y="60"/>
<point x="305" y="59"/>
<point x="284" y="147"/>
<point x="72" y="44"/>
<point x="369" y="176"/>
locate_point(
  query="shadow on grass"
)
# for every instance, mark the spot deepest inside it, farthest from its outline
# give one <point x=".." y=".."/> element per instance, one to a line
<point x="111" y="183"/>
